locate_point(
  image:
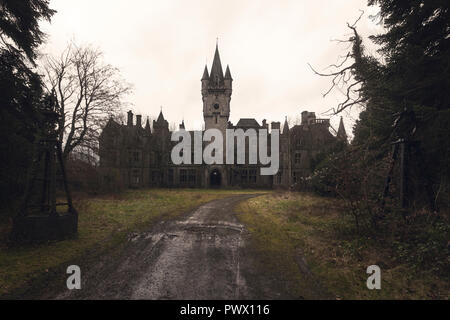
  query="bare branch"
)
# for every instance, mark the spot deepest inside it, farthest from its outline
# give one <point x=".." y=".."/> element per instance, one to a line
<point x="343" y="73"/>
<point x="87" y="91"/>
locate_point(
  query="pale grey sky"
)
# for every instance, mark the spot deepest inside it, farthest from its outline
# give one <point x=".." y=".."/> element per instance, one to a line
<point x="161" y="48"/>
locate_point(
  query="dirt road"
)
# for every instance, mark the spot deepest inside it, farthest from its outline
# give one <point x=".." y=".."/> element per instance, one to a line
<point x="200" y="257"/>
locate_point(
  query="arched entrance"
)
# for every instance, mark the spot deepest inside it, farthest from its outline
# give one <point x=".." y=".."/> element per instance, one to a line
<point x="215" y="178"/>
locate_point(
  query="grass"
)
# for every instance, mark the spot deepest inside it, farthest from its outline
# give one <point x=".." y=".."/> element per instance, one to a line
<point x="286" y="226"/>
<point x="104" y="223"/>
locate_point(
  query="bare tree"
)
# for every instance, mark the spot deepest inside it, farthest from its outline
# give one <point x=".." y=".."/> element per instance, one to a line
<point x="88" y="92"/>
<point x="344" y="76"/>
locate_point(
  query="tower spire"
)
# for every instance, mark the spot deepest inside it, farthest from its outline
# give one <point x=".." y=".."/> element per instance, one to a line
<point x="147" y="125"/>
<point x="341" y="133"/>
<point x="161" y="116"/>
<point x="285" y="126"/>
<point x="216" y="94"/>
<point x="216" y="70"/>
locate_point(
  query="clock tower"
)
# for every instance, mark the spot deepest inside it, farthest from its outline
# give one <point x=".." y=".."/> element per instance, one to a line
<point x="216" y="94"/>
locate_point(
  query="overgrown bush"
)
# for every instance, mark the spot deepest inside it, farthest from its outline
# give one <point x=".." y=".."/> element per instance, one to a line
<point x="417" y="235"/>
<point x="356" y="179"/>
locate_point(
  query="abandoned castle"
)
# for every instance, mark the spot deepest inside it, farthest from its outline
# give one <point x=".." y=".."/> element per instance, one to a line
<point x="139" y="156"/>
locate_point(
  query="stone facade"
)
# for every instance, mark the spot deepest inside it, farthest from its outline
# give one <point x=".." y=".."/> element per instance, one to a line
<point x="137" y="156"/>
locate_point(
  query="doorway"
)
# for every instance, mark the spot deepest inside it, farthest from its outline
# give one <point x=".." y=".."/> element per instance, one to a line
<point x="215" y="178"/>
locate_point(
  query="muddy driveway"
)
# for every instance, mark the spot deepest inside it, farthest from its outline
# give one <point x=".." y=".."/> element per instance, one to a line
<point x="202" y="256"/>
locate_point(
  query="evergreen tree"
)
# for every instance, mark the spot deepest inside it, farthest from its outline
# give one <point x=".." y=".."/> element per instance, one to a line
<point x="407" y="95"/>
<point x="20" y="88"/>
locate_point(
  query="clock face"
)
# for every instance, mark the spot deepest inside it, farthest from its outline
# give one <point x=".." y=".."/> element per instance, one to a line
<point x="216" y="106"/>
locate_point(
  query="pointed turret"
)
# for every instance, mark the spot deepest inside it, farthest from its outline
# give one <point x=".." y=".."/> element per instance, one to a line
<point x="228" y="80"/>
<point x="228" y="73"/>
<point x="341" y="133"/>
<point x="205" y="80"/>
<point x="182" y="125"/>
<point x="216" y="75"/>
<point x="285" y="126"/>
<point x="147" y="125"/>
<point x="160" y="117"/>
<point x="205" y="74"/>
<point x="160" y="124"/>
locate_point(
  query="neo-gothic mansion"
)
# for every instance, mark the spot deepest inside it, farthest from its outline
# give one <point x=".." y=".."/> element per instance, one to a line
<point x="136" y="155"/>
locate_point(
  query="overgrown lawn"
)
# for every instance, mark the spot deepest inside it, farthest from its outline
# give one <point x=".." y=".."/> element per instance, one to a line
<point x="285" y="226"/>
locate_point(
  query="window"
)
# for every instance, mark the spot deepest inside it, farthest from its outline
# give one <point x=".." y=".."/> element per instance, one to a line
<point x="117" y="158"/>
<point x="170" y="176"/>
<point x="192" y="176"/>
<point x="183" y="177"/>
<point x="295" y="176"/>
<point x="155" y="175"/>
<point x="136" y="177"/>
<point x="298" y="157"/>
<point x="244" y="175"/>
<point x="134" y="156"/>
<point x="252" y="176"/>
<point x="235" y="176"/>
<point x="152" y="159"/>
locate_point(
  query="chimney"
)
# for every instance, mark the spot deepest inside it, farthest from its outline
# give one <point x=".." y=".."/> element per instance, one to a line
<point x="275" y="125"/>
<point x="130" y="118"/>
<point x="308" y="117"/>
<point x="304" y="117"/>
<point x="138" y="120"/>
<point x="311" y="117"/>
<point x="265" y="124"/>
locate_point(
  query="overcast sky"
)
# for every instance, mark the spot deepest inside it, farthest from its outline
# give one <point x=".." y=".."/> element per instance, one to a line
<point x="161" y="48"/>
